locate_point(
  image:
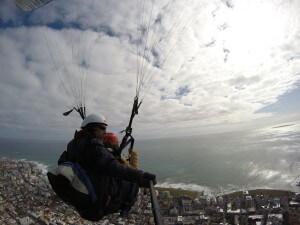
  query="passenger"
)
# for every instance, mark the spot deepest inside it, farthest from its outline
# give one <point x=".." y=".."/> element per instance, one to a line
<point x="111" y="142"/>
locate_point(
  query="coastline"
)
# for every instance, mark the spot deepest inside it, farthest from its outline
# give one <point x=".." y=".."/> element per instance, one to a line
<point x="254" y="192"/>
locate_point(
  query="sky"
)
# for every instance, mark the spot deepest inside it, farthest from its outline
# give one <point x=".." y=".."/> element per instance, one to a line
<point x="208" y="66"/>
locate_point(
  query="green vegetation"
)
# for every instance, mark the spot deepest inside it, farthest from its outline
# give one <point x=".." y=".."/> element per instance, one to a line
<point x="194" y="194"/>
<point x="178" y="192"/>
<point x="277" y="193"/>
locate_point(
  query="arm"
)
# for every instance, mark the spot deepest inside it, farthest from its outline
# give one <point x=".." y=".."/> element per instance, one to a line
<point x="107" y="163"/>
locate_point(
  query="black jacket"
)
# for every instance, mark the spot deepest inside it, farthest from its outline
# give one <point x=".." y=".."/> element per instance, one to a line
<point x="101" y="166"/>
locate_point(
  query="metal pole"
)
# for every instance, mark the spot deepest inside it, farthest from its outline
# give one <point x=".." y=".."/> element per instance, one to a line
<point x="155" y="206"/>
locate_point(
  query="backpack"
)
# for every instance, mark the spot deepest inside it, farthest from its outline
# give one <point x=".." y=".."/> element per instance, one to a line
<point x="72" y="184"/>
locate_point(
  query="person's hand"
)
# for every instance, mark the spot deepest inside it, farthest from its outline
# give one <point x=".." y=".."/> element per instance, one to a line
<point x="144" y="178"/>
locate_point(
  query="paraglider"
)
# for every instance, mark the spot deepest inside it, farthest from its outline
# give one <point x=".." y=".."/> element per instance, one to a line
<point x="159" y="31"/>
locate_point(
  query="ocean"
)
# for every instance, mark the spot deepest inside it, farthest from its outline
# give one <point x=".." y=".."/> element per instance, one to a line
<point x="215" y="164"/>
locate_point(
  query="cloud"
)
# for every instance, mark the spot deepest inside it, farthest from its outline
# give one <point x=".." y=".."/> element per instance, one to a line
<point x="204" y="78"/>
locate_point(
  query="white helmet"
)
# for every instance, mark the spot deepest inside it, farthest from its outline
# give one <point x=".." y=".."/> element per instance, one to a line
<point x="93" y="118"/>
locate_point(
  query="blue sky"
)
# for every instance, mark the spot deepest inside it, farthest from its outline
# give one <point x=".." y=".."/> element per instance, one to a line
<point x="199" y="66"/>
<point x="288" y="103"/>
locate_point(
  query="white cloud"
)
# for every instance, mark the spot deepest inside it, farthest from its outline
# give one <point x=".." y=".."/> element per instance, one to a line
<point x="233" y="60"/>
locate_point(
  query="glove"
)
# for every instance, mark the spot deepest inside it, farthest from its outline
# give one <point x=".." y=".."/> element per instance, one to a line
<point x="144" y="178"/>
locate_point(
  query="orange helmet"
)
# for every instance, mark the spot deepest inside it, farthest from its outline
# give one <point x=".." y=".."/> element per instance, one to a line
<point x="111" y="138"/>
